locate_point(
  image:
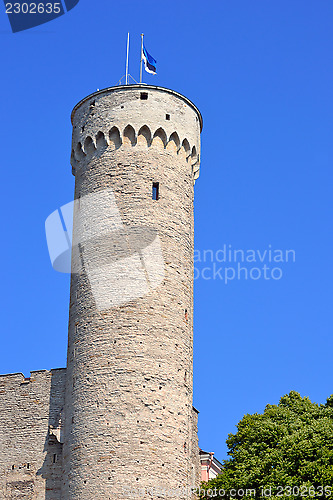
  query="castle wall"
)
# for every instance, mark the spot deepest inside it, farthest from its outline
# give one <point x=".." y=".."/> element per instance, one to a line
<point x="30" y="458"/>
<point x="129" y="420"/>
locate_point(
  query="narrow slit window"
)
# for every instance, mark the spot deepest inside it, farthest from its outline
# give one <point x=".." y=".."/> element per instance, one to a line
<point x="144" y="96"/>
<point x="54" y="458"/>
<point x="167" y="116"/>
<point x="156" y="189"/>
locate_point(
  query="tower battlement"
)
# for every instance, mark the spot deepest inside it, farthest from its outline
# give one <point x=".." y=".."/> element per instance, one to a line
<point x="159" y="118"/>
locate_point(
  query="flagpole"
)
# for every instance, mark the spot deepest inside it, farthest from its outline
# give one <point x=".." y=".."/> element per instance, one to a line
<point x="127" y="53"/>
<point x="141" y="57"/>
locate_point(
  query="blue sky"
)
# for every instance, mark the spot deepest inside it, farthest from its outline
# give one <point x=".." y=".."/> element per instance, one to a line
<point x="261" y="74"/>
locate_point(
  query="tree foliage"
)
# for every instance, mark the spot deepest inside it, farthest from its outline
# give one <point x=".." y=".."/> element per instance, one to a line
<point x="286" y="452"/>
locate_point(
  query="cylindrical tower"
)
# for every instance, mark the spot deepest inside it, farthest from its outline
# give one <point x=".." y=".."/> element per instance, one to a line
<point x="129" y="422"/>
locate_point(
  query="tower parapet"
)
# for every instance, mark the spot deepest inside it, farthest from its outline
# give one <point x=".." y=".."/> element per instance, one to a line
<point x="144" y="116"/>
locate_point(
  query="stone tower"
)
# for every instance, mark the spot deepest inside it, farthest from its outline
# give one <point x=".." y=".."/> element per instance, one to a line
<point x="129" y="421"/>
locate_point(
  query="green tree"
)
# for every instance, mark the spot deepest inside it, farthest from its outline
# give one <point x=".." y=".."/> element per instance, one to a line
<point x="286" y="452"/>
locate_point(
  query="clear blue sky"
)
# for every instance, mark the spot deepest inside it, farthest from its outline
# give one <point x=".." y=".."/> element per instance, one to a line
<point x="261" y="74"/>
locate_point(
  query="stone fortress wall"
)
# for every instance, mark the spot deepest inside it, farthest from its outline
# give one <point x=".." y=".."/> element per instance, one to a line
<point x="31" y="410"/>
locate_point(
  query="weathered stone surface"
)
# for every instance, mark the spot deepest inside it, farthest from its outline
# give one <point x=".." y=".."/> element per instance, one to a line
<point x="30" y="462"/>
<point x="129" y="420"/>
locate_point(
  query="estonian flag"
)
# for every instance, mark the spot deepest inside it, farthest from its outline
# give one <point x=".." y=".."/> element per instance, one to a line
<point x="150" y="63"/>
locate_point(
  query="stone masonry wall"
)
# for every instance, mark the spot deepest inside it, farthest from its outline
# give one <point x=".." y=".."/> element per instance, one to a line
<point x="123" y="407"/>
<point x="30" y="457"/>
<point x="129" y="420"/>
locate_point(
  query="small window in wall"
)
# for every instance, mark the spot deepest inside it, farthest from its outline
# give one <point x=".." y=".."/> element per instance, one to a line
<point x="54" y="458"/>
<point x="156" y="193"/>
<point x="167" y="116"/>
<point x="144" y="96"/>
